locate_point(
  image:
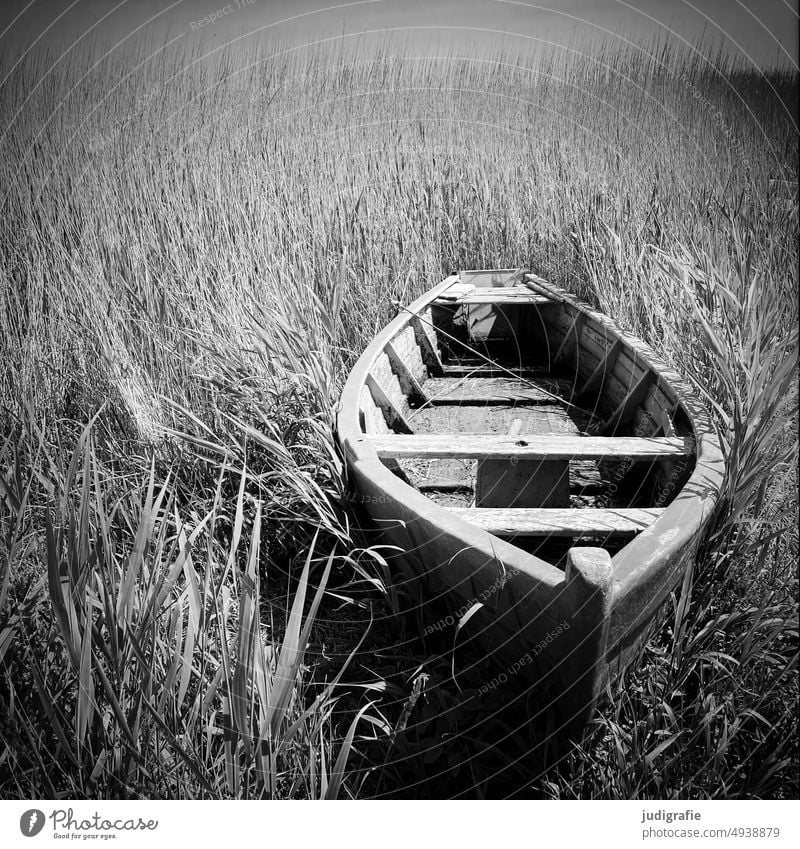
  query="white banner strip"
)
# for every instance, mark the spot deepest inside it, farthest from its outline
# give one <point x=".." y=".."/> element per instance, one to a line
<point x="461" y="825"/>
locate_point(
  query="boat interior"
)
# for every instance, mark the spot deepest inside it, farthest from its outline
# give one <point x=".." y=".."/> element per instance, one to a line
<point x="529" y="415"/>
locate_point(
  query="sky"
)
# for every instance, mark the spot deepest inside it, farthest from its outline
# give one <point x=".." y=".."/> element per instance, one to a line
<point x="763" y="33"/>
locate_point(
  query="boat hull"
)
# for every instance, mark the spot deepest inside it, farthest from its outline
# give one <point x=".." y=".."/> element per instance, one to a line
<point x="567" y="628"/>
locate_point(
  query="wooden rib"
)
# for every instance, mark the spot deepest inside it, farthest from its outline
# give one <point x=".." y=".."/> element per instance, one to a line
<point x="568" y="343"/>
<point x="394" y="417"/>
<point x="490" y="390"/>
<point x="664" y="418"/>
<point x="625" y="409"/>
<point x="543" y="521"/>
<point x="528" y="446"/>
<point x="430" y="356"/>
<point x="596" y="380"/>
<point x="408" y="383"/>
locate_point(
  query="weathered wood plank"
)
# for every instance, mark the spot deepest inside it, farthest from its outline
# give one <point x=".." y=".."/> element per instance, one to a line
<point x="571" y="340"/>
<point x="490" y="418"/>
<point x="426" y="336"/>
<point x="625" y="410"/>
<point x="598" y="336"/>
<point x="664" y="418"/>
<point x="383" y="374"/>
<point x="408" y="383"/>
<point x="394" y="418"/>
<point x="373" y="419"/>
<point x="484" y="369"/>
<point x="595" y="381"/>
<point x="630" y="365"/>
<point x="542" y="521"/>
<point x="457" y="290"/>
<point x="406" y="347"/>
<point x="491" y="278"/>
<point x="441" y="474"/>
<point x="529" y="446"/>
<point x="494" y="390"/>
<point x="499" y="296"/>
<point x="660" y="397"/>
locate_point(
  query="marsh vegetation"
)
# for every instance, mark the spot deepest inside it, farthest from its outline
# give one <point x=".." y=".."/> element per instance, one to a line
<point x="194" y="250"/>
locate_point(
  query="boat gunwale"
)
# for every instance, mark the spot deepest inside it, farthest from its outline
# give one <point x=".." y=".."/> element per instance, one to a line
<point x="638" y="563"/>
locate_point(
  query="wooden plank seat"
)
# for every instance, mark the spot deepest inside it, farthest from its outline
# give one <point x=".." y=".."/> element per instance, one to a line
<point x="528" y="446"/>
<point x="502" y="295"/>
<point x="480" y="368"/>
<point x="588" y="521"/>
<point x="493" y="390"/>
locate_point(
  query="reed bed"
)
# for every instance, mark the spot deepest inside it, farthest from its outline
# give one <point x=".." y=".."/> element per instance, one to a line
<point x="194" y="249"/>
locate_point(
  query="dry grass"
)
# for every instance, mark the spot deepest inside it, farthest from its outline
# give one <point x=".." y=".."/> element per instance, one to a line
<point x="194" y="250"/>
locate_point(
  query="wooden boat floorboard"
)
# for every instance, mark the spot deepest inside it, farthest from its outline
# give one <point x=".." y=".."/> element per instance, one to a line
<point x="494" y="390"/>
<point x="491" y="418"/>
<point x="478" y="368"/>
<point x="509" y="522"/>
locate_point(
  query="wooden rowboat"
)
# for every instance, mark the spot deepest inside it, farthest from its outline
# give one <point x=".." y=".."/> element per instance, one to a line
<point x="528" y="456"/>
